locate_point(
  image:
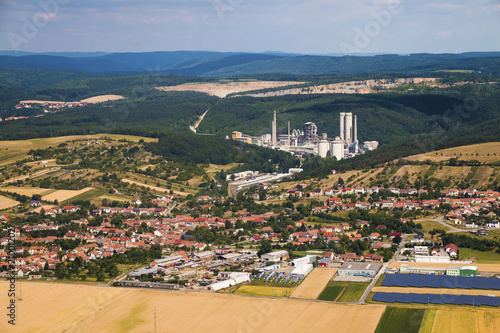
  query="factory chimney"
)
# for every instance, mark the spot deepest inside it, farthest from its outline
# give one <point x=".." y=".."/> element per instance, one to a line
<point x="356" y="129"/>
<point x="342" y="122"/>
<point x="289" y="134"/>
<point x="273" y="133"/>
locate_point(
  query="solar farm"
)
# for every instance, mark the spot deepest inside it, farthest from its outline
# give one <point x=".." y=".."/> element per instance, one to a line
<point x="436" y="299"/>
<point x="440" y="281"/>
<point x="279" y="277"/>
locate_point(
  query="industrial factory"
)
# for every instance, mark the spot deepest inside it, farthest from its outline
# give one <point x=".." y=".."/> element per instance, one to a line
<point x="307" y="141"/>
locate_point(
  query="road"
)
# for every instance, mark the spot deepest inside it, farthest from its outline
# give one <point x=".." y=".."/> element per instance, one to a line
<point x="197" y="123"/>
<point x="440" y="219"/>
<point x="381" y="271"/>
<point x="372" y="284"/>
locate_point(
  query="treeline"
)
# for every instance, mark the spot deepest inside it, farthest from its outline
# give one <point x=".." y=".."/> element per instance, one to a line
<point x="187" y="148"/>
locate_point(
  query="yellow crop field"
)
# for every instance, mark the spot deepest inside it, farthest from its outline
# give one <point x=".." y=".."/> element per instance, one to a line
<point x="483" y="152"/>
<point x="467" y="320"/>
<point x="62" y="195"/>
<point x="7" y="202"/>
<point x="29" y="191"/>
<point x="314" y="283"/>
<point x="265" y="291"/>
<point x="77" y="308"/>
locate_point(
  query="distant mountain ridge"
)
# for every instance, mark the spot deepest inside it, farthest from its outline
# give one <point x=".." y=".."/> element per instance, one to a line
<point x="227" y="64"/>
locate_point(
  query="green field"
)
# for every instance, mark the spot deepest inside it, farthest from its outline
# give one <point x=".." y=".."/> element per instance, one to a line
<point x="89" y="195"/>
<point x="331" y="293"/>
<point x="353" y="291"/>
<point x="482" y="257"/>
<point x="430" y="225"/>
<point x="396" y="319"/>
<point x="428" y="321"/>
<point x="343" y="291"/>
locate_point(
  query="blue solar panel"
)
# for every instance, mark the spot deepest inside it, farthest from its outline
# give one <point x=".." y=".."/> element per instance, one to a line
<point x="440" y="281"/>
<point x="437" y="299"/>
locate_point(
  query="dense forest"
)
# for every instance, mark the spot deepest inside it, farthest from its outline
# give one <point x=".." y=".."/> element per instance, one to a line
<point x="405" y="121"/>
<point x="187" y="147"/>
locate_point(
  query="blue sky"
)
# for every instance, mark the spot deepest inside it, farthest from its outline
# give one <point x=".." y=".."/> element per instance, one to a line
<point x="299" y="26"/>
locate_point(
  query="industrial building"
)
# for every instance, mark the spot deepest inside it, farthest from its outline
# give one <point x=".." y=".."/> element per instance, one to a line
<point x="275" y="256"/>
<point x="307" y="141"/>
<point x="407" y="269"/>
<point x="359" y="268"/>
<point x="234" y="279"/>
<point x="433" y="259"/>
<point x="468" y="271"/>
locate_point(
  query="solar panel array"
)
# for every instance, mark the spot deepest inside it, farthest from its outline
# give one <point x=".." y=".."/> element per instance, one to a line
<point x="437" y="299"/>
<point x="440" y="281"/>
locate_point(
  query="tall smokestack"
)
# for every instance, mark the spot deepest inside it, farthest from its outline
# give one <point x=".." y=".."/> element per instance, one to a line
<point x="355" y="128"/>
<point x="342" y="121"/>
<point x="289" y="134"/>
<point x="273" y="134"/>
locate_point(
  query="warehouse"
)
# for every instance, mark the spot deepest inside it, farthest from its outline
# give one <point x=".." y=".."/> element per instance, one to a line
<point x="468" y="271"/>
<point x="234" y="279"/>
<point x="433" y="259"/>
<point x="275" y="256"/>
<point x="359" y="268"/>
<point x="302" y="270"/>
<point x="407" y="269"/>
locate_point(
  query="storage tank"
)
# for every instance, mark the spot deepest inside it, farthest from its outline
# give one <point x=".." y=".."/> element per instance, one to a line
<point x="338" y="148"/>
<point x="323" y="146"/>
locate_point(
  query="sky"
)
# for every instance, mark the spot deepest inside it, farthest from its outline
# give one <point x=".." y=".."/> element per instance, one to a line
<point x="295" y="26"/>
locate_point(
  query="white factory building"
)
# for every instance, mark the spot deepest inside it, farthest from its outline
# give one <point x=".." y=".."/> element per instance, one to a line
<point x="234" y="279"/>
<point x="307" y="141"/>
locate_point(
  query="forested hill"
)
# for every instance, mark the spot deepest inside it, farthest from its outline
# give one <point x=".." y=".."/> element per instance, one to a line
<point x="205" y="63"/>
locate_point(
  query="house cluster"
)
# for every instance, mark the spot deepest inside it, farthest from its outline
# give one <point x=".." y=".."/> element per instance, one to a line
<point x="330" y="257"/>
<point x="480" y="199"/>
<point x="51" y="105"/>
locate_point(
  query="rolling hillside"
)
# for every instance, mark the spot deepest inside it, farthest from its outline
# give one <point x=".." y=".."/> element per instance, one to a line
<point x="206" y="63"/>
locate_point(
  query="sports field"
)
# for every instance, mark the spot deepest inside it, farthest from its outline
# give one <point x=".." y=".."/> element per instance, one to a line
<point x="62" y="195"/>
<point x="314" y="283"/>
<point x="7" y="202"/>
<point x="76" y="308"/>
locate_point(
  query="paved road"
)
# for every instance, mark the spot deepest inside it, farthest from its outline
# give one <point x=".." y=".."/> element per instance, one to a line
<point x="374" y="280"/>
<point x="440" y="219"/>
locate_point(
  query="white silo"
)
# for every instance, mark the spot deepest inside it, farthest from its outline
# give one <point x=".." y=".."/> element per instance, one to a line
<point x="338" y="148"/>
<point x="323" y="146"/>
